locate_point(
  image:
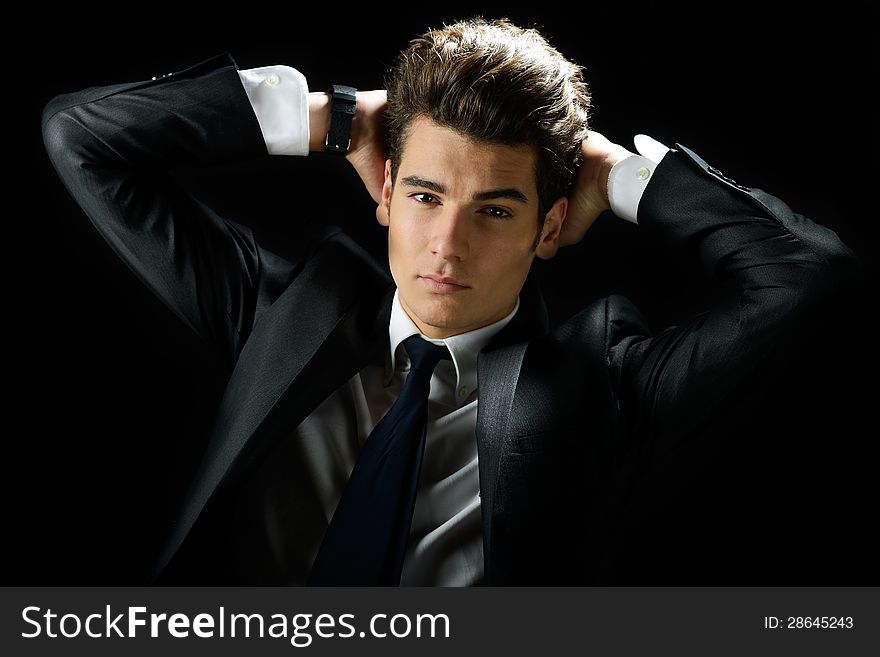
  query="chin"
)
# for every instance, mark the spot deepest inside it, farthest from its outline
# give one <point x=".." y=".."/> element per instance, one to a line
<point x="440" y="312"/>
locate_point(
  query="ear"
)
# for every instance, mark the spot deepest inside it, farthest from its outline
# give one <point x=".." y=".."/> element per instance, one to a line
<point x="383" y="210"/>
<point x="549" y="244"/>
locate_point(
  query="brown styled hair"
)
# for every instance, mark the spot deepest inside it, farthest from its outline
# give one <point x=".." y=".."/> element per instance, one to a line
<point x="492" y="81"/>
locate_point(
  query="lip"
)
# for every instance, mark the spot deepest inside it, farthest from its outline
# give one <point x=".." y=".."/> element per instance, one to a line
<point x="442" y="284"/>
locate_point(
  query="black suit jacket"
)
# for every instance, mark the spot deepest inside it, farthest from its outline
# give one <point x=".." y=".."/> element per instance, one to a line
<point x="566" y="414"/>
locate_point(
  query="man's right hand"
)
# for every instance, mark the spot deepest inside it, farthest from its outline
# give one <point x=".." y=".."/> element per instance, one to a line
<point x="367" y="153"/>
<point x="367" y="149"/>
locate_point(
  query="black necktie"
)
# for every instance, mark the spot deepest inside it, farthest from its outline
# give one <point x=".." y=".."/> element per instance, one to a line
<point x="366" y="541"/>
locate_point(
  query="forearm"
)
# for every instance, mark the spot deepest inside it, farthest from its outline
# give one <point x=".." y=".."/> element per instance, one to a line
<point x="199" y="115"/>
<point x="775" y="270"/>
<point x="319" y="120"/>
<point x="741" y="236"/>
<point x="112" y="147"/>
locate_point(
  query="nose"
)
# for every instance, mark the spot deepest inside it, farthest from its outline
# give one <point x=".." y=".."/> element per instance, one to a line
<point x="450" y="237"/>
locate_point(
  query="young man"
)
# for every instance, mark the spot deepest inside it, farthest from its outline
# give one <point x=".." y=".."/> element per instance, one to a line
<point x="337" y="456"/>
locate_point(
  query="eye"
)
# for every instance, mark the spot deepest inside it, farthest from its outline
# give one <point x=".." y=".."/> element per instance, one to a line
<point x="430" y="198"/>
<point x="498" y="213"/>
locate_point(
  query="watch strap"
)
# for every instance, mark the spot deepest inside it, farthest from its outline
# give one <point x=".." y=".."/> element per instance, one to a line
<point x="343" y="103"/>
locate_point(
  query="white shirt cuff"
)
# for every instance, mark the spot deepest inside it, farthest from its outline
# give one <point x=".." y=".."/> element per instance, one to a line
<point x="630" y="176"/>
<point x="280" y="98"/>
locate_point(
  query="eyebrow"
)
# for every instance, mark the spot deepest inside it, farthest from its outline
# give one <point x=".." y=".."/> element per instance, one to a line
<point x="511" y="193"/>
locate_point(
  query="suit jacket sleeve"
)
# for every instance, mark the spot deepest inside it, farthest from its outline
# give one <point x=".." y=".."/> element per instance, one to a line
<point x="774" y="268"/>
<point x="113" y="147"/>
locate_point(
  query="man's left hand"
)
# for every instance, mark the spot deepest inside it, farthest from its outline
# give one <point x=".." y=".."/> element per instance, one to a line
<point x="589" y="193"/>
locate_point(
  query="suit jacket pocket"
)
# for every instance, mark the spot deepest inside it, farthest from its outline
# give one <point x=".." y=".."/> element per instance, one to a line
<point x="531" y="443"/>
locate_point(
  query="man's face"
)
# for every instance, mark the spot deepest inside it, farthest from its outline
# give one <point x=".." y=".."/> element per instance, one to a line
<point x="461" y="220"/>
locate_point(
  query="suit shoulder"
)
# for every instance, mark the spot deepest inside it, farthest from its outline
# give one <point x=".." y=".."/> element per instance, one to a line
<point x="332" y="242"/>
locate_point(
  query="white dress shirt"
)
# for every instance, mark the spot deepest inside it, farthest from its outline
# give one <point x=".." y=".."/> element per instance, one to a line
<point x="296" y="492"/>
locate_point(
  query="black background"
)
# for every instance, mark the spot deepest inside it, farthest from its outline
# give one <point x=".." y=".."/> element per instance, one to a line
<point x="110" y="397"/>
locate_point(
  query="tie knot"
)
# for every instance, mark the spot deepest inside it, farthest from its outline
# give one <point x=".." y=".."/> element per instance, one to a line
<point x="424" y="355"/>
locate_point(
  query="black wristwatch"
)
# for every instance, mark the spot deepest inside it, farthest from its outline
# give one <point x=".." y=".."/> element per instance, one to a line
<point x="343" y="102"/>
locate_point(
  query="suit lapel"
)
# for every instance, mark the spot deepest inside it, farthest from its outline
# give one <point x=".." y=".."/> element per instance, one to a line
<point x="498" y="371"/>
<point x="310" y="341"/>
<point x="501" y="367"/>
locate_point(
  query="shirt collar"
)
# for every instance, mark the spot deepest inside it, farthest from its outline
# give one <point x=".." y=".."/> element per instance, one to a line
<point x="464" y="347"/>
